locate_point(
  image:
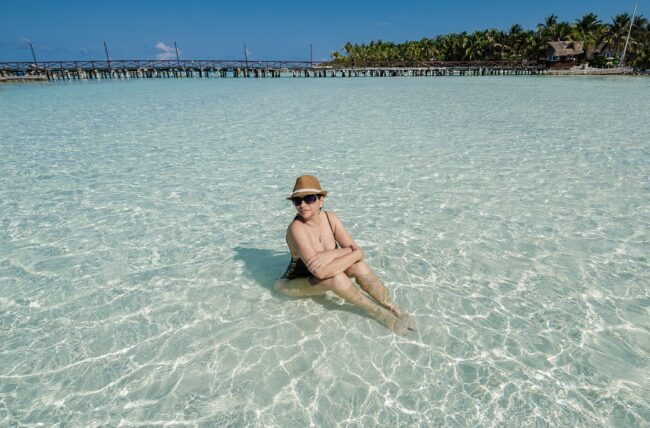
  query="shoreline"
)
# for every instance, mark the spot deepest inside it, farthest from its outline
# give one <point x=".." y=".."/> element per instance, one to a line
<point x="590" y="71"/>
<point x="18" y="79"/>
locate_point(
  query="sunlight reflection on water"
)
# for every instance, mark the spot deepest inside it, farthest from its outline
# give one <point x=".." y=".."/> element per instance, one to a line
<point x="143" y="227"/>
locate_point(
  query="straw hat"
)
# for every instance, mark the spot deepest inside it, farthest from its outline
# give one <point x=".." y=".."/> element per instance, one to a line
<point x="307" y="185"/>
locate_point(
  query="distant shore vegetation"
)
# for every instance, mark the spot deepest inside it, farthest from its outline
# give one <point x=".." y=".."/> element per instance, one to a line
<point x="603" y="44"/>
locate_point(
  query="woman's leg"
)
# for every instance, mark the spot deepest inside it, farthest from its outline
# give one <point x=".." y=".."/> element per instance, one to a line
<point x="343" y="287"/>
<point x="371" y="284"/>
<point x="298" y="287"/>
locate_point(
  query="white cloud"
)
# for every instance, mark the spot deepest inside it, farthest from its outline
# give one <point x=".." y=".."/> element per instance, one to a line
<point x="166" y="52"/>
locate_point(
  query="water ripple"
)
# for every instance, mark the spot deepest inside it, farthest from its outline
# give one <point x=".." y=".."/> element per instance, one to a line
<point x="143" y="227"/>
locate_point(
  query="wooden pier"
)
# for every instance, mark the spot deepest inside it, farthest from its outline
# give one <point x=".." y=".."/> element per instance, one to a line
<point x="169" y="69"/>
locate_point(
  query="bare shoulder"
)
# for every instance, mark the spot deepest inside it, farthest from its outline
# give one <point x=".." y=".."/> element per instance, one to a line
<point x="332" y="215"/>
<point x="295" y="228"/>
<point x="295" y="234"/>
<point x="334" y="218"/>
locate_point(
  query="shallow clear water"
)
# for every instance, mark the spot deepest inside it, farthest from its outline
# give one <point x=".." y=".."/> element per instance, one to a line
<point x="143" y="227"/>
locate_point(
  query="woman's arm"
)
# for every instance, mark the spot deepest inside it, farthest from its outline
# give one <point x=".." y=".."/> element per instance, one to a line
<point x="326" y="257"/>
<point x="345" y="241"/>
<point x="298" y="235"/>
<point x="338" y="265"/>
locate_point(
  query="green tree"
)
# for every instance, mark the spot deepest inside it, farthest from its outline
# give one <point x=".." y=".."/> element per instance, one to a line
<point x="638" y="51"/>
<point x="515" y="44"/>
<point x="613" y="37"/>
<point x="588" y="29"/>
<point x="545" y="28"/>
<point x="561" y="31"/>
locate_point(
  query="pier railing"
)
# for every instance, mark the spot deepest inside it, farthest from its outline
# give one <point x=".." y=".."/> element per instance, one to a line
<point x="155" y="63"/>
<point x="266" y="64"/>
<point x="154" y="68"/>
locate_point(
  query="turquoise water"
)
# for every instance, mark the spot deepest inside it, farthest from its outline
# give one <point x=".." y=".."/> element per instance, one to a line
<point x="143" y="227"/>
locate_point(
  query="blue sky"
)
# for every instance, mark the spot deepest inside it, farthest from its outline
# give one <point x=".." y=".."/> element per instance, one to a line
<point x="271" y="29"/>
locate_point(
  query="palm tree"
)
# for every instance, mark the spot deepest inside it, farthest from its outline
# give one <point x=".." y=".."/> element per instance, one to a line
<point x="515" y="30"/>
<point x="534" y="47"/>
<point x="588" y="29"/>
<point x="613" y="38"/>
<point x="349" y="50"/>
<point x="429" y="50"/>
<point x="410" y="52"/>
<point x="495" y="44"/>
<point x="561" y="31"/>
<point x="639" y="41"/>
<point x="447" y="47"/>
<point x="544" y="28"/>
<point x="472" y="47"/>
<point x="587" y="25"/>
<point x="515" y="44"/>
<point x="640" y="28"/>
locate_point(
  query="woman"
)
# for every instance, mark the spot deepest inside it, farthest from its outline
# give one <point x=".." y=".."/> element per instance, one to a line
<point x="319" y="265"/>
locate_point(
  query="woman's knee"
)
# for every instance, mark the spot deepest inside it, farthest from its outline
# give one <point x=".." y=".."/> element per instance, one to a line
<point x="336" y="282"/>
<point x="359" y="268"/>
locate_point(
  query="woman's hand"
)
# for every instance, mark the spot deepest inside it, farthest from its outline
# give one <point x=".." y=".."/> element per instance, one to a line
<point x="355" y="247"/>
<point x="326" y="257"/>
<point x="318" y="261"/>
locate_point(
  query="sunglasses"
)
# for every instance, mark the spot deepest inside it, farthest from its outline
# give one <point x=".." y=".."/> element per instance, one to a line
<point x="309" y="199"/>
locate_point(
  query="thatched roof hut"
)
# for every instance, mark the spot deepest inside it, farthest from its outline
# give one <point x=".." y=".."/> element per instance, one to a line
<point x="565" y="48"/>
<point x="565" y="53"/>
